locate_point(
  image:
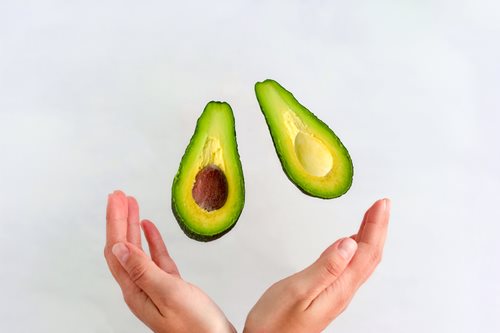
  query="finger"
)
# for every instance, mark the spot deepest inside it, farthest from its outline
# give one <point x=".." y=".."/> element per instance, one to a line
<point x="116" y="230"/>
<point x="368" y="255"/>
<point x="157" y="248"/>
<point x="375" y="225"/>
<point x="134" y="229"/>
<point x="116" y="217"/>
<point x="328" y="267"/>
<point x="143" y="271"/>
<point x="362" y="225"/>
<point x="370" y="244"/>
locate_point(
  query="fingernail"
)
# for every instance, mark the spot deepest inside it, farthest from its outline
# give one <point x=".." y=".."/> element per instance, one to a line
<point x="388" y="205"/>
<point x="121" y="252"/>
<point x="347" y="248"/>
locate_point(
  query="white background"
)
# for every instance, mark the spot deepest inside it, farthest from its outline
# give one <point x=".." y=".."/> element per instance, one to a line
<point x="101" y="95"/>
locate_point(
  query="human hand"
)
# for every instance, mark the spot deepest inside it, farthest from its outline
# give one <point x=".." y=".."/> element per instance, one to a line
<point x="309" y="300"/>
<point x="152" y="287"/>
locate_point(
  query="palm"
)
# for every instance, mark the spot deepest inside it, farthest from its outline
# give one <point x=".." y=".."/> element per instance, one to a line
<point x="198" y="306"/>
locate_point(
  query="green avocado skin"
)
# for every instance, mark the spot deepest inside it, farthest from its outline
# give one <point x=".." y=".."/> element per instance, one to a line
<point x="239" y="182"/>
<point x="283" y="161"/>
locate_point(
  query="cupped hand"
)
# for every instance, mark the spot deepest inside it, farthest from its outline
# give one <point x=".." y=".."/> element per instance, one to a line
<point x="309" y="300"/>
<point x="152" y="286"/>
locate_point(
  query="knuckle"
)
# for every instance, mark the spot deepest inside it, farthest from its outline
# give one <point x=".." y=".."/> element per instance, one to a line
<point x="375" y="256"/>
<point x="128" y="298"/>
<point x="343" y="306"/>
<point x="131" y="301"/>
<point x="137" y="272"/>
<point x="344" y="299"/>
<point x="107" y="252"/>
<point x="333" y="267"/>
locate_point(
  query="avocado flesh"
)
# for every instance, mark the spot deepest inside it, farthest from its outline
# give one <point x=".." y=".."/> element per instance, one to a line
<point x="212" y="147"/>
<point x="311" y="155"/>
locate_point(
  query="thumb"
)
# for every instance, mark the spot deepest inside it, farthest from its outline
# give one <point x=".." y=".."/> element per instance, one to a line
<point x="141" y="269"/>
<point x="332" y="262"/>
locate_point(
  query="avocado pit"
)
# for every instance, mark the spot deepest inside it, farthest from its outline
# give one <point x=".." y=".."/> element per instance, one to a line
<point x="210" y="188"/>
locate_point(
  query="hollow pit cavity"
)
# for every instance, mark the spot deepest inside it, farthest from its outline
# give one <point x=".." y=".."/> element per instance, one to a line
<point x="313" y="154"/>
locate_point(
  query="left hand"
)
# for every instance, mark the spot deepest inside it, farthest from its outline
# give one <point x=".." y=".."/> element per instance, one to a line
<point x="152" y="287"/>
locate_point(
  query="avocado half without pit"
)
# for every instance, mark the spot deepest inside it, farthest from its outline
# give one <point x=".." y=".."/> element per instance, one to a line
<point x="311" y="155"/>
<point x="208" y="191"/>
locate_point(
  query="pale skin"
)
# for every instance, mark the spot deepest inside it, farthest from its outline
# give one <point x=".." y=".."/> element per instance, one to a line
<point x="305" y="302"/>
<point x="151" y="285"/>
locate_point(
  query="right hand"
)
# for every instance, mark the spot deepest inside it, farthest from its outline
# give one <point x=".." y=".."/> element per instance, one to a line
<point x="152" y="287"/>
<point x="309" y="300"/>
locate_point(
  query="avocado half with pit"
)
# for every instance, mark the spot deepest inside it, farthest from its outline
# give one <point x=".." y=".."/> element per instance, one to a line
<point x="208" y="192"/>
<point x="311" y="155"/>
